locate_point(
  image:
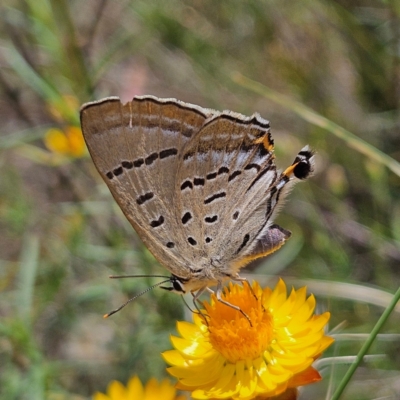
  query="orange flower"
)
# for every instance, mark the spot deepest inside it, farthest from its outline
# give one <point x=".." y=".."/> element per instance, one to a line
<point x="68" y="143"/>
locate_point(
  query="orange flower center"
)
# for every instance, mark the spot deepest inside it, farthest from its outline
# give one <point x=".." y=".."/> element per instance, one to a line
<point x="231" y="333"/>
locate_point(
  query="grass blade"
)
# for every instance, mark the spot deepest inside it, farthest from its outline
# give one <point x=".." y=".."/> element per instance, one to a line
<point x="318" y="120"/>
<point x="26" y="277"/>
<point x="364" y="349"/>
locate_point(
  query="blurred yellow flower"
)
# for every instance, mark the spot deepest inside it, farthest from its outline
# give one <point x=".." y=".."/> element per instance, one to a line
<point x="69" y="142"/>
<point x="134" y="390"/>
<point x="64" y="108"/>
<point x="228" y="357"/>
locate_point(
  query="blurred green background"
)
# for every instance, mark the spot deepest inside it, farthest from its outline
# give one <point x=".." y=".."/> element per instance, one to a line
<point x="62" y="234"/>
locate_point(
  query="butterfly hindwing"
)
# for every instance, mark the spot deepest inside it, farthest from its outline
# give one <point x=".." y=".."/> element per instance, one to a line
<point x="229" y="165"/>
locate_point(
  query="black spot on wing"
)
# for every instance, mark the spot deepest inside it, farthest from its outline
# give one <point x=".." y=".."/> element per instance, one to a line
<point x="187" y="184"/>
<point x="138" y="163"/>
<point x="213" y="197"/>
<point x="170" y="245"/>
<point x="244" y="242"/>
<point x="151" y="158"/>
<point x="253" y="165"/>
<point x="168" y="153"/>
<point x="211" y="176"/>
<point x="223" y="170"/>
<point x="127" y="164"/>
<point x="233" y="175"/>
<point x="186" y="218"/>
<point x="211" y="220"/>
<point x="302" y="170"/>
<point x="118" y="171"/>
<point x="157" y="222"/>
<point x="192" y="241"/>
<point x="144" y="197"/>
<point x="199" y="181"/>
<point x="304" y="165"/>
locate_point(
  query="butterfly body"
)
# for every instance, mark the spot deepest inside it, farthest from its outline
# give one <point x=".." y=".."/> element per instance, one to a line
<point x="199" y="186"/>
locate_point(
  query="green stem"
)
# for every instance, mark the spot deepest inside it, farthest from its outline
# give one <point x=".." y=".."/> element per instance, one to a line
<point x="366" y="346"/>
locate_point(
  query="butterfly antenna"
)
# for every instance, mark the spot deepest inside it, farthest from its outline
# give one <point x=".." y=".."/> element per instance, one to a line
<point x="138" y="295"/>
<point x="138" y="276"/>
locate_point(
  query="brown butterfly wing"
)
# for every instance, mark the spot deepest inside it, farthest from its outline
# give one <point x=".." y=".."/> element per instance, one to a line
<point x="136" y="147"/>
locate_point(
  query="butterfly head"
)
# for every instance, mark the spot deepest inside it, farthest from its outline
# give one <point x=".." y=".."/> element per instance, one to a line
<point x="177" y="285"/>
<point x="197" y="282"/>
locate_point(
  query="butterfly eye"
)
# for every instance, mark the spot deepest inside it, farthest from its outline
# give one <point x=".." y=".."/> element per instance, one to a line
<point x="178" y="286"/>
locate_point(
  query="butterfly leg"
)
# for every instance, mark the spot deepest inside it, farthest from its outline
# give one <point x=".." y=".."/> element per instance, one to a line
<point x="240" y="279"/>
<point x="196" y="299"/>
<point x="219" y="298"/>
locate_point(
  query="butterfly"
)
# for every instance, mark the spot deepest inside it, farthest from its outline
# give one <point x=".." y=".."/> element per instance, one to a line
<point x="199" y="186"/>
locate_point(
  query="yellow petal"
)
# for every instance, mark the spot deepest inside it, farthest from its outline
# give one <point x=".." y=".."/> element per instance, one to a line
<point x="135" y="388"/>
<point x="287" y="306"/>
<point x="300" y="298"/>
<point x="174" y="357"/>
<point x="156" y="391"/>
<point x="248" y="381"/>
<point x="188" y="331"/>
<point x="116" y="390"/>
<point x="278" y="295"/>
<point x="200" y="375"/>
<point x="191" y="348"/>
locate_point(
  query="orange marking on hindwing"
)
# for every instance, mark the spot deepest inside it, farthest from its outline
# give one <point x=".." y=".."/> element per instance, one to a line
<point x="289" y="170"/>
<point x="266" y="142"/>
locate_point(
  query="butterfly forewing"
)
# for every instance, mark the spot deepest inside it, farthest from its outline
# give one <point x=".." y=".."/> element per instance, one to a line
<point x="136" y="148"/>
